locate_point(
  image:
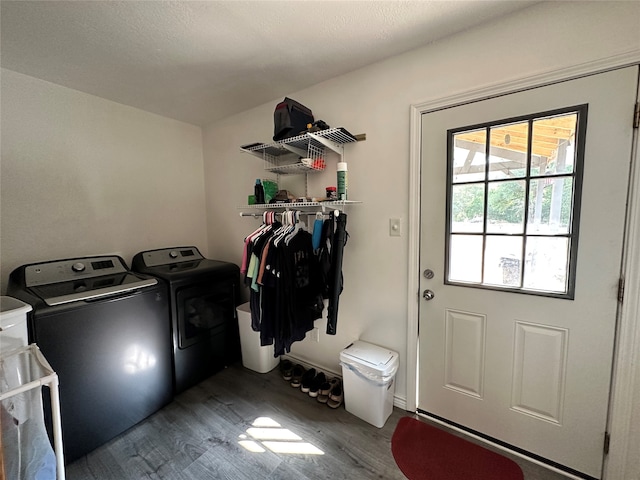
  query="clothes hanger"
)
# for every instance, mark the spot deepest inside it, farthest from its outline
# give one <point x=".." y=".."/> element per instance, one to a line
<point x="268" y="218"/>
<point x="300" y="225"/>
<point x="289" y="215"/>
<point x="278" y="232"/>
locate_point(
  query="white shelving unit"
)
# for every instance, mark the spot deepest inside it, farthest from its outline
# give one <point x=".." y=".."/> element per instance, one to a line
<point x="284" y="158"/>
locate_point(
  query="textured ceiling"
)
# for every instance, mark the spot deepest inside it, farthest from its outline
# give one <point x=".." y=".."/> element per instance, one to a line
<point x="200" y="61"/>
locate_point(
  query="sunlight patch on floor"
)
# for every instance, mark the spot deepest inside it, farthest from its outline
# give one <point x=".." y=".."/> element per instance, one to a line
<point x="266" y="432"/>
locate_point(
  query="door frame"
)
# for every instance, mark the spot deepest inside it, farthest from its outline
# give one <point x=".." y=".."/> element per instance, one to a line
<point x="624" y="400"/>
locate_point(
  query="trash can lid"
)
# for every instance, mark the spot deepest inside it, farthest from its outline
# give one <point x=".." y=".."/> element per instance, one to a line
<point x="370" y="357"/>
<point x="10" y="309"/>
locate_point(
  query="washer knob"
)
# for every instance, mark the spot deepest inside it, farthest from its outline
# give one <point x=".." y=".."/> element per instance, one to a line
<point x="78" y="267"/>
<point x="173" y="254"/>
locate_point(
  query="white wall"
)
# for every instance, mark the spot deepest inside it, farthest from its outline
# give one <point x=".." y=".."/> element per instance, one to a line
<point x="84" y="176"/>
<point x="376" y="101"/>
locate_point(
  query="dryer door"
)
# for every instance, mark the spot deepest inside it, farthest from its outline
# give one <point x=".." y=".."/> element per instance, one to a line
<point x="205" y="327"/>
<point x="203" y="310"/>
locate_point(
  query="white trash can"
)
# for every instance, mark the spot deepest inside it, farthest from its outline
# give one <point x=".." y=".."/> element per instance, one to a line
<point x="368" y="377"/>
<point x="254" y="356"/>
<point x="13" y="324"/>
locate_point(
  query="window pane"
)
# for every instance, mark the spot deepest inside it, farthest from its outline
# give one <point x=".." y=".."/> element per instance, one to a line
<point x="553" y="145"/>
<point x="467" y="208"/>
<point x="502" y="260"/>
<point x="550" y="206"/>
<point x="469" y="156"/>
<point x="547" y="264"/>
<point x="508" y="151"/>
<point x="511" y="199"/>
<point x="465" y="258"/>
<point x="505" y="207"/>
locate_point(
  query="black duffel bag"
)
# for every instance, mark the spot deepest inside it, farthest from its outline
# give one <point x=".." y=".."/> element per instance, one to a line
<point x="290" y="118"/>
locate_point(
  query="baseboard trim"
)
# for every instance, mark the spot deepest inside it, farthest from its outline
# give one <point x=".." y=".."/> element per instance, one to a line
<point x="400" y="402"/>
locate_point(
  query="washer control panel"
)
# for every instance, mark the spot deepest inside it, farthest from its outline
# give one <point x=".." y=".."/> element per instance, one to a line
<point x="72" y="269"/>
<point x="167" y="256"/>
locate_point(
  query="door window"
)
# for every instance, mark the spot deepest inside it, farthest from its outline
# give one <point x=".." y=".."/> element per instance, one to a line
<point x="513" y="203"/>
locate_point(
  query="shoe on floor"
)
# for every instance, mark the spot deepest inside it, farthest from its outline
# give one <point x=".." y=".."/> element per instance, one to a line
<point x="336" y="396"/>
<point x="306" y="380"/>
<point x="286" y="369"/>
<point x="325" y="389"/>
<point x="314" y="387"/>
<point x="296" y="375"/>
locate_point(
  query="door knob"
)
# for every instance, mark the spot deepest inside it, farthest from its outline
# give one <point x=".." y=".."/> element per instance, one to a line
<point x="428" y="295"/>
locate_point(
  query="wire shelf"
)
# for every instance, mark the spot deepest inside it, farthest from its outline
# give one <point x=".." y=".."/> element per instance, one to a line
<point x="337" y="135"/>
<point x="297" y="205"/>
<point x="282" y="157"/>
<point x="294" y="168"/>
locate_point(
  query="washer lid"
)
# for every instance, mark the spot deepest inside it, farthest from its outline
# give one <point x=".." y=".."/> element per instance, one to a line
<point x="91" y="288"/>
<point x="84" y="278"/>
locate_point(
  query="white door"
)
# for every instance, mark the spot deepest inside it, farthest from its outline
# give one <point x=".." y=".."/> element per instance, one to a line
<point x="517" y="340"/>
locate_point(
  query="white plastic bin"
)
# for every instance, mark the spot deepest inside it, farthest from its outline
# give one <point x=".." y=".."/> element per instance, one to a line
<point x="13" y="324"/>
<point x="254" y="356"/>
<point x="368" y="376"/>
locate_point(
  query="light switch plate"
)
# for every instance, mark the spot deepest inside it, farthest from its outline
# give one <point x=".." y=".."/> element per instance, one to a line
<point x="395" y="227"/>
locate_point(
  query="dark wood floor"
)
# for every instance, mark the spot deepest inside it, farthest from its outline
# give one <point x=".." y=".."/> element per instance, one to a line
<point x="197" y="437"/>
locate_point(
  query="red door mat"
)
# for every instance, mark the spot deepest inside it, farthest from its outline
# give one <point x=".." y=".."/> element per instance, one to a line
<point x="424" y="452"/>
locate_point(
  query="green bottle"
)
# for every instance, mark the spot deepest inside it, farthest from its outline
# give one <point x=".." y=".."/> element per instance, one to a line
<point x="342" y="180"/>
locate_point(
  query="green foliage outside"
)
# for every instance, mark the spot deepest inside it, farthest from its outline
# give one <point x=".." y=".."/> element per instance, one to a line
<point x="506" y="202"/>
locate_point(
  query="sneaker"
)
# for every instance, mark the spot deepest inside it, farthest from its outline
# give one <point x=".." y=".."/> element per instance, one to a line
<point x="296" y="375"/>
<point x="286" y="369"/>
<point x="306" y="380"/>
<point x="336" y="396"/>
<point x="325" y="389"/>
<point x="314" y="387"/>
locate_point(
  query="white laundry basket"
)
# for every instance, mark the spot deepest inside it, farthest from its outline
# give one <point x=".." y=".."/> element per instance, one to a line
<point x="254" y="356"/>
<point x="368" y="376"/>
